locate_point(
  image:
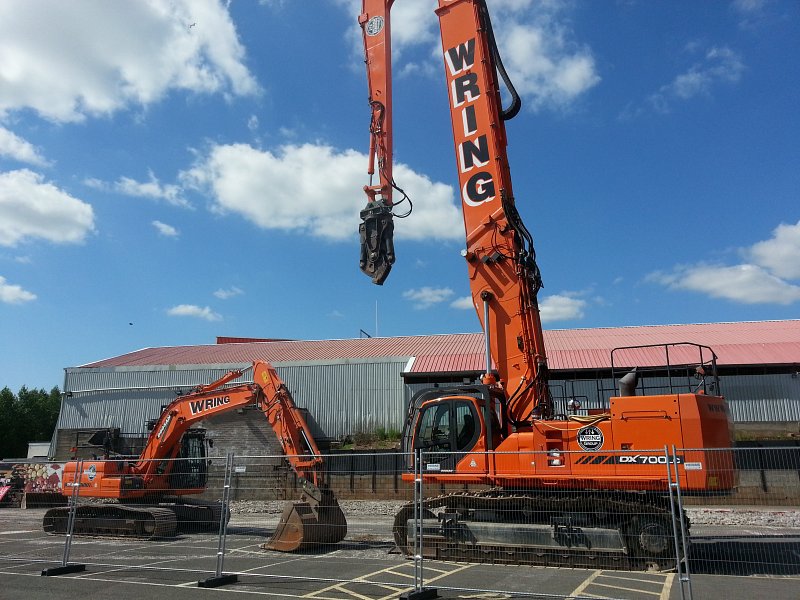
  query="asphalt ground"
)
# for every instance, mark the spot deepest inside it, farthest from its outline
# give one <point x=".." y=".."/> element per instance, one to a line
<point x="361" y="568"/>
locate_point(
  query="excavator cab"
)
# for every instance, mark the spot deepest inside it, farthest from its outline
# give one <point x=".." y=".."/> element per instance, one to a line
<point x="190" y="470"/>
<point x="447" y="424"/>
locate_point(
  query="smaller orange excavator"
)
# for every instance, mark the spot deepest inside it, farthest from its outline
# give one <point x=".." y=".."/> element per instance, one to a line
<point x="149" y="489"/>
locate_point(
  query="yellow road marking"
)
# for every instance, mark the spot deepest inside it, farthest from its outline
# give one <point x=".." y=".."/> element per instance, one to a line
<point x="364" y="579"/>
<point x="654" y="581"/>
<point x="627" y="589"/>
<point x="579" y="590"/>
<point x="667" y="587"/>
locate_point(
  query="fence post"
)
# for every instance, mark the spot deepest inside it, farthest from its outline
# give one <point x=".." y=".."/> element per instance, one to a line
<point x="686" y="573"/>
<point x="420" y="592"/>
<point x="674" y="487"/>
<point x="73" y="507"/>
<point x="220" y="579"/>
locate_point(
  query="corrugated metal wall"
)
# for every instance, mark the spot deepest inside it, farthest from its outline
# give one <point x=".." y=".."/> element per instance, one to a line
<point x="341" y="397"/>
<point x="760" y="398"/>
<point x="350" y="396"/>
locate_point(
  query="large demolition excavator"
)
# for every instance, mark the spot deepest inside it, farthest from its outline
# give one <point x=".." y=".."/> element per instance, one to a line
<point x="149" y="490"/>
<point x="580" y="489"/>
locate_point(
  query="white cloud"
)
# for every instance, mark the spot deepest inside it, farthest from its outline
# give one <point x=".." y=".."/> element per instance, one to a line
<point x="152" y="189"/>
<point x="561" y="307"/>
<point x="765" y="279"/>
<point x="747" y="6"/>
<point x="67" y="60"/>
<point x="548" y="68"/>
<point x="315" y="189"/>
<point x="16" y="148"/>
<point x="781" y="253"/>
<point x="191" y="310"/>
<point x="718" y="65"/>
<point x="223" y="294"/>
<point x="33" y="208"/>
<point x="14" y="294"/>
<point x="425" y="297"/>
<point x="165" y="230"/>
<point x="464" y="303"/>
<point x="750" y="12"/>
<point x="748" y="284"/>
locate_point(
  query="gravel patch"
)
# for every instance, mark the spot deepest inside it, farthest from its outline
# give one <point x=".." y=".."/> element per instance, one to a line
<point x="745" y="517"/>
<point x="727" y="516"/>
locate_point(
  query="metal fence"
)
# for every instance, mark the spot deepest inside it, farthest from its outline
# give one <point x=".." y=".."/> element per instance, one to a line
<point x="406" y="535"/>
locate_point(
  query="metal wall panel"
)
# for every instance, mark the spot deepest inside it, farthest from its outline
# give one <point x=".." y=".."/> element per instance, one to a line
<point x="350" y="396"/>
<point x="342" y="397"/>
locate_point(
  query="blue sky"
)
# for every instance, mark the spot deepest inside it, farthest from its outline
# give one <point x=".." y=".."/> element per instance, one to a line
<point x="174" y="171"/>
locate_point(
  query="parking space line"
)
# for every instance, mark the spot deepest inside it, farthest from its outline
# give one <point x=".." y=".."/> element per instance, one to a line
<point x="667" y="587"/>
<point x="615" y="581"/>
<point x="613" y="576"/>
<point x="627" y="589"/>
<point x="360" y="579"/>
<point x="579" y="590"/>
<point x="365" y="580"/>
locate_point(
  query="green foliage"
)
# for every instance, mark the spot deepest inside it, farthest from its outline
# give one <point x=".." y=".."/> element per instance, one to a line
<point x="381" y="438"/>
<point x="29" y="416"/>
<point x="387" y="435"/>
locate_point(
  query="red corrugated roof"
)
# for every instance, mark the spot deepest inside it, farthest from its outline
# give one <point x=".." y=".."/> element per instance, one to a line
<point x="761" y="342"/>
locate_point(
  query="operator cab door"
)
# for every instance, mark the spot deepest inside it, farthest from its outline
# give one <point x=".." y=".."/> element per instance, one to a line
<point x="446" y="431"/>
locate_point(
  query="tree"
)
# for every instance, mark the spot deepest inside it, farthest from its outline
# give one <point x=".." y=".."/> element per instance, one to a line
<point x="29" y="416"/>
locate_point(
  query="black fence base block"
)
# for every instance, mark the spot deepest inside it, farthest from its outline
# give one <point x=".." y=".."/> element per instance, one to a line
<point x="213" y="582"/>
<point x="63" y="570"/>
<point x="421" y="594"/>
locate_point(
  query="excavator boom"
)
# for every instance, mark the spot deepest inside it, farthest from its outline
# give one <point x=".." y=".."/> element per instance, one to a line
<point x="161" y="471"/>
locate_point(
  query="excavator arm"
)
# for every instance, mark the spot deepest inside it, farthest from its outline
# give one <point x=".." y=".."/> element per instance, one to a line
<point x="315" y="518"/>
<point x="377" y="227"/>
<point x="267" y="393"/>
<point x="503" y="274"/>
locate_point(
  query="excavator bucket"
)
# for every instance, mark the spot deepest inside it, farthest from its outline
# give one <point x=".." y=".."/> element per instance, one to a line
<point x="309" y="522"/>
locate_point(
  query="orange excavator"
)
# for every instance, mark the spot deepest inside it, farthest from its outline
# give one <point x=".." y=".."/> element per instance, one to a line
<point x="562" y="488"/>
<point x="149" y="490"/>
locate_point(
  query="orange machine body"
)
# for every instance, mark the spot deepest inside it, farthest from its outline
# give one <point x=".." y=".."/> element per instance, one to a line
<point x="627" y="449"/>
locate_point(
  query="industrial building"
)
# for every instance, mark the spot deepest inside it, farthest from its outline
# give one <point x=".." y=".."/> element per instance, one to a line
<point x="359" y="385"/>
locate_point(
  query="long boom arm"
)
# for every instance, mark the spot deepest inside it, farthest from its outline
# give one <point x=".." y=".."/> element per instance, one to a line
<point x="377" y="227"/>
<point x="503" y="274"/>
<point x="267" y="392"/>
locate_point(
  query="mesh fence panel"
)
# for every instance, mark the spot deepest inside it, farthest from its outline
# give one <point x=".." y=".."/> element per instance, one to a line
<point x="29" y="490"/>
<point x="756" y="529"/>
<point x="603" y="539"/>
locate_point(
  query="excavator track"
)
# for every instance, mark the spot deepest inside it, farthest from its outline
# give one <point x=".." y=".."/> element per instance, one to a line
<point x="136" y="521"/>
<point x="113" y="520"/>
<point x="607" y="530"/>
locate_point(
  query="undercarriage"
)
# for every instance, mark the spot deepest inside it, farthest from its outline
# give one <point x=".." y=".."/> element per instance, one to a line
<point x="163" y="520"/>
<point x="608" y="530"/>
